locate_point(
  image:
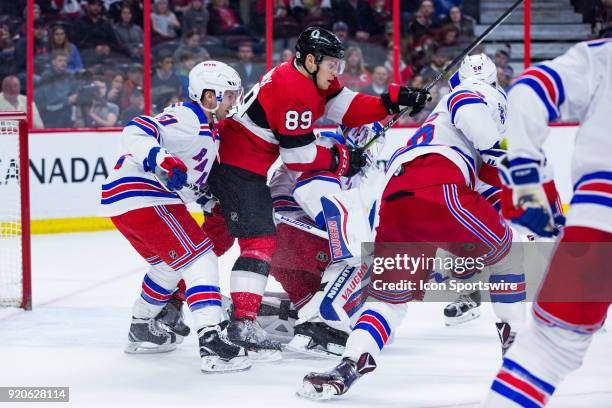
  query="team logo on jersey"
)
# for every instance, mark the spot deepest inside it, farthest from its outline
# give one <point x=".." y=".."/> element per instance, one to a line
<point x="172" y="254"/>
<point x="502" y="113"/>
<point x="322" y="256"/>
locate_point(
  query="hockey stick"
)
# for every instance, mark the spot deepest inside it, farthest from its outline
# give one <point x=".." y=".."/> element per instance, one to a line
<point x="446" y="70"/>
<point x="301" y="225"/>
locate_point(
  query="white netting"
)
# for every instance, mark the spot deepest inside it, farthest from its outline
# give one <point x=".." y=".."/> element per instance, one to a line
<point x="11" y="271"/>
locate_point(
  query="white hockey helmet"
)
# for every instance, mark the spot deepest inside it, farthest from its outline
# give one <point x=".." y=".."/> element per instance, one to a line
<point x="216" y="76"/>
<point x="478" y="66"/>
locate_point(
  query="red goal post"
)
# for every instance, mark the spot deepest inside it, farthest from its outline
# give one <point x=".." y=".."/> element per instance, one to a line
<point x="15" y="259"/>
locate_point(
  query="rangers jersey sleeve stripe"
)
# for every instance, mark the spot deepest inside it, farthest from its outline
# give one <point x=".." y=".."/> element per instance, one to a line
<point x="547" y="85"/>
<point x="147" y="125"/>
<point x="459" y="99"/>
<point x="133" y="187"/>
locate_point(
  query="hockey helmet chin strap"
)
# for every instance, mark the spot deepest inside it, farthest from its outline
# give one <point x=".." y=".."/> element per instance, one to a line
<point x="313" y="75"/>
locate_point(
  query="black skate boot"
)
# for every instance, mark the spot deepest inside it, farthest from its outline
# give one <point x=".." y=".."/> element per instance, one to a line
<point x="147" y="336"/>
<point x="249" y="334"/>
<point x="506" y="336"/>
<point x="171" y="317"/>
<point x="318" y="339"/>
<point x="337" y="381"/>
<point x="462" y="310"/>
<point x="218" y="354"/>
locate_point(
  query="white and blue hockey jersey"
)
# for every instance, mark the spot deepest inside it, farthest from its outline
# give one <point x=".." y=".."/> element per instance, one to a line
<point x="184" y="131"/>
<point x="469" y="120"/>
<point x="575" y="85"/>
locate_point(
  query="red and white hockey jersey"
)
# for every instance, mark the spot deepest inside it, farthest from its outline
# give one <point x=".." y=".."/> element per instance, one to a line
<point x="184" y="131"/>
<point x="575" y="85"/>
<point x="278" y="116"/>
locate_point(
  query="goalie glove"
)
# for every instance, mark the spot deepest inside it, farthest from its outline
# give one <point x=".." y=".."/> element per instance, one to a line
<point x="169" y="169"/>
<point x="529" y="196"/>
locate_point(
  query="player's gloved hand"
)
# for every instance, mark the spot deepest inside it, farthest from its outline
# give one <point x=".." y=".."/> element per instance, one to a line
<point x="529" y="196"/>
<point x="169" y="169"/>
<point x="490" y="160"/>
<point x="206" y="200"/>
<point x="398" y="97"/>
<point x="347" y="161"/>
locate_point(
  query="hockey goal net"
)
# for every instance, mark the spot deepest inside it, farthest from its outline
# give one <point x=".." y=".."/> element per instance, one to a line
<point x="15" y="274"/>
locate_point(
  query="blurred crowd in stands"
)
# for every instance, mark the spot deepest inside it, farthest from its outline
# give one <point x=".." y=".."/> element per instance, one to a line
<point x="88" y="54"/>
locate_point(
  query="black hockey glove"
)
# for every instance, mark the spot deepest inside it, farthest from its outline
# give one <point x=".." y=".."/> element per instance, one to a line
<point x="399" y="97"/>
<point x="347" y="161"/>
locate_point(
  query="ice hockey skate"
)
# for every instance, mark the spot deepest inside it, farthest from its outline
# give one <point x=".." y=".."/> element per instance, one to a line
<point x="147" y="336"/>
<point x="506" y="335"/>
<point x="277" y="317"/>
<point x="171" y="318"/>
<point x="318" y="339"/>
<point x="218" y="354"/>
<point x="338" y="380"/>
<point x="249" y="334"/>
<point x="462" y="310"/>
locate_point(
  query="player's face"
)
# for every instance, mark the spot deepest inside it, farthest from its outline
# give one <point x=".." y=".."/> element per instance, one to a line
<point x="329" y="69"/>
<point x="228" y="103"/>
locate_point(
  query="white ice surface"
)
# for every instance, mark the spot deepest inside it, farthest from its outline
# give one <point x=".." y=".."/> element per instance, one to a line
<point x="85" y="284"/>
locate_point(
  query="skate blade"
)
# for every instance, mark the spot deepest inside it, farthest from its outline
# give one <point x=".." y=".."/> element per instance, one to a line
<point x="464" y="318"/>
<point x="299" y="344"/>
<point x="264" y="356"/>
<point x="148" y="348"/>
<point x="215" y="365"/>
<point x="308" y="391"/>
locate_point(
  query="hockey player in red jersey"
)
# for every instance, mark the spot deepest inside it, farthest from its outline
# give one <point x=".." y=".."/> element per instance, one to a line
<point x="277" y="118"/>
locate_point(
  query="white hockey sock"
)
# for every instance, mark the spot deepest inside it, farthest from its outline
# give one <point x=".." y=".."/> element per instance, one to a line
<point x="540" y="358"/>
<point x="157" y="287"/>
<point x="203" y="293"/>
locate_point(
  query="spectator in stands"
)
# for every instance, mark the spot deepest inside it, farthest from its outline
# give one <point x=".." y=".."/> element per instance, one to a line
<point x="380" y="82"/>
<point x="195" y="18"/>
<point x="40" y="47"/>
<point x="443" y="7"/>
<point x="439" y="60"/>
<point x="286" y="55"/>
<point x="405" y="70"/>
<point x="448" y="37"/>
<point x="11" y="100"/>
<point x="91" y="29"/>
<point x="56" y="93"/>
<point x="70" y="9"/>
<point x="134" y="108"/>
<point x="355" y="76"/>
<point x="191" y="45"/>
<point x="165" y="84"/>
<point x="465" y="25"/>
<point x="101" y="112"/>
<point x="285" y="24"/>
<point x="504" y="76"/>
<point x="341" y="30"/>
<point x="58" y="40"/>
<point x="358" y="15"/>
<point x="224" y="20"/>
<point x="250" y="71"/>
<point x="129" y="35"/>
<point x="164" y="23"/>
<point x="424" y="21"/>
<point x="115" y="92"/>
<point x="502" y="58"/>
<point x="318" y="13"/>
<point x="6" y="40"/>
<point x="100" y="57"/>
<point x="135" y="77"/>
<point x="186" y="62"/>
<point x="24" y="26"/>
